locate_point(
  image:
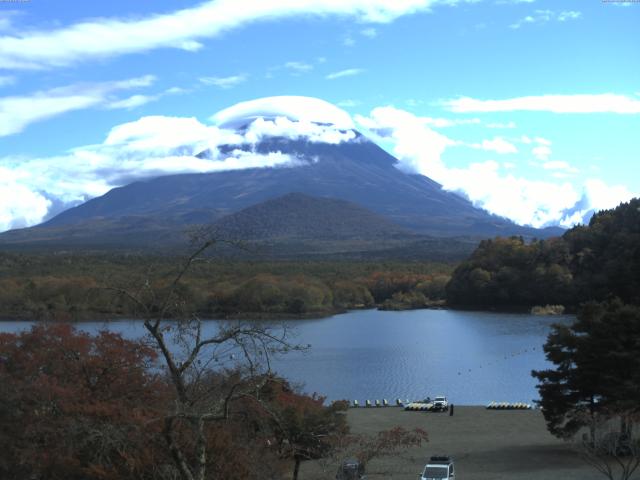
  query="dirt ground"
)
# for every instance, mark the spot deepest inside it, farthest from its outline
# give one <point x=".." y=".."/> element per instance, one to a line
<point x="485" y="444"/>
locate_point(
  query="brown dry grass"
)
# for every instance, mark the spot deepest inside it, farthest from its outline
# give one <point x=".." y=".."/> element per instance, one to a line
<point x="486" y="444"/>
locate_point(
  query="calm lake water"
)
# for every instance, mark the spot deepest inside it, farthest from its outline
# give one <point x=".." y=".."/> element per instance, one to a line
<point x="472" y="357"/>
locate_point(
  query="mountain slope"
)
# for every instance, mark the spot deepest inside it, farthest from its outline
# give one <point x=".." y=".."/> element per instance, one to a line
<point x="300" y="216"/>
<point x="359" y="171"/>
<point x="294" y="226"/>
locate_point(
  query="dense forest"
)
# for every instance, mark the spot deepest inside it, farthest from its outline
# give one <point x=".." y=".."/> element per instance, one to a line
<point x="592" y="262"/>
<point x="82" y="286"/>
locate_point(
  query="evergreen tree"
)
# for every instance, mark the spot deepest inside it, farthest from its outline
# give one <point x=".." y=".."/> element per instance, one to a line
<point x="597" y="368"/>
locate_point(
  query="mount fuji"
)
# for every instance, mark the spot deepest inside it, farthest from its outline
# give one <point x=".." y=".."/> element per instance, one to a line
<point x="326" y="173"/>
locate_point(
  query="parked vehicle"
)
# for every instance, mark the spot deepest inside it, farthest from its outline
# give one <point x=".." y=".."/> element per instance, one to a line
<point x="438" y="468"/>
<point x="440" y="404"/>
<point x="351" y="469"/>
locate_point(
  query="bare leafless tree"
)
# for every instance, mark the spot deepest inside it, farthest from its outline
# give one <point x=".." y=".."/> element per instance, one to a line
<point x="612" y="445"/>
<point x="193" y="354"/>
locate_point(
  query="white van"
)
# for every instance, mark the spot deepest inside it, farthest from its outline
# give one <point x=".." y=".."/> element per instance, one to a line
<point x="440" y="404"/>
<point x="438" y="468"/>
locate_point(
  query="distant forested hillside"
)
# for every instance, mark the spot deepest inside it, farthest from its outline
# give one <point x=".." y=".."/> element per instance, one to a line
<point x="591" y="262"/>
<point x="78" y="286"/>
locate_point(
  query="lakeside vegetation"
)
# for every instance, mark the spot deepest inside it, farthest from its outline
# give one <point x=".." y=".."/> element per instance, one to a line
<point x="588" y="263"/>
<point x="78" y="286"/>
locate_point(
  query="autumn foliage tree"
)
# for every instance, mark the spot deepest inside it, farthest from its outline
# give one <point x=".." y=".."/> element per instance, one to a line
<point x="95" y="407"/>
<point x="76" y="406"/>
<point x="592" y="262"/>
<point x="304" y="427"/>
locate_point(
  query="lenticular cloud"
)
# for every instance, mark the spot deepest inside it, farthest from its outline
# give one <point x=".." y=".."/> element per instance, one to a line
<point x="293" y="108"/>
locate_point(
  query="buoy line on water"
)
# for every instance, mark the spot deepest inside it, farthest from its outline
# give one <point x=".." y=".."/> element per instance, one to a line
<point x="505" y="357"/>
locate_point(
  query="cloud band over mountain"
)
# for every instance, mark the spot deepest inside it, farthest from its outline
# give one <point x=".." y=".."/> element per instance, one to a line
<point x="33" y="189"/>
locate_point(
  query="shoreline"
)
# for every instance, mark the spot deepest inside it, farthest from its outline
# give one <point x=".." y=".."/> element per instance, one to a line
<point x="266" y="316"/>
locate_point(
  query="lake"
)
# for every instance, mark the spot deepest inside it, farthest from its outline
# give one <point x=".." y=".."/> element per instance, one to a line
<point x="471" y="357"/>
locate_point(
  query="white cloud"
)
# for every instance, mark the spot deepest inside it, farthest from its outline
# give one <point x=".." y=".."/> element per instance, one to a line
<point x="369" y="32"/>
<point x="298" y="67"/>
<point x="449" y="122"/>
<point x="132" y="102"/>
<point x="568" y="15"/>
<point x="538" y="203"/>
<point x="498" y="145"/>
<point x="350" y="72"/>
<point x="284" y="127"/>
<point x="349" y="103"/>
<point x="541" y="152"/>
<point x="543" y="141"/>
<point x="132" y="151"/>
<point x="159" y="135"/>
<point x="605" y="196"/>
<point x="501" y="125"/>
<point x="439" y="122"/>
<point x="348" y="41"/>
<point x="135" y="101"/>
<point x="596" y="195"/>
<point x="224" y="82"/>
<point x="17" y="112"/>
<point x="176" y="91"/>
<point x="588" y="103"/>
<point x="559" y="165"/>
<point x="19" y="206"/>
<point x="181" y="29"/>
<point x="620" y="3"/>
<point x="418" y="147"/>
<point x="294" y="107"/>
<point x="545" y="16"/>
<point x="153" y="146"/>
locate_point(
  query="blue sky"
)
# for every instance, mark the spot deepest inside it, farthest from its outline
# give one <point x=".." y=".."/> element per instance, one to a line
<point x="530" y="108"/>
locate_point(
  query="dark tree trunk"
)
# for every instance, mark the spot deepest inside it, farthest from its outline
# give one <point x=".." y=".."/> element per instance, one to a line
<point x="296" y="467"/>
<point x="592" y="424"/>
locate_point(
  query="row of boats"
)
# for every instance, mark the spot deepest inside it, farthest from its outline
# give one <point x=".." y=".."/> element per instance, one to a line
<point x="509" y="406"/>
<point x="426" y="406"/>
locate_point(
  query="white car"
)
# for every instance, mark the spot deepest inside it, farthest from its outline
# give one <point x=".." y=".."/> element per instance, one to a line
<point x="440" y="404"/>
<point x="438" y="468"/>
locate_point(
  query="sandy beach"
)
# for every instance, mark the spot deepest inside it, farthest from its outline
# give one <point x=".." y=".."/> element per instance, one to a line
<point x="485" y="444"/>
